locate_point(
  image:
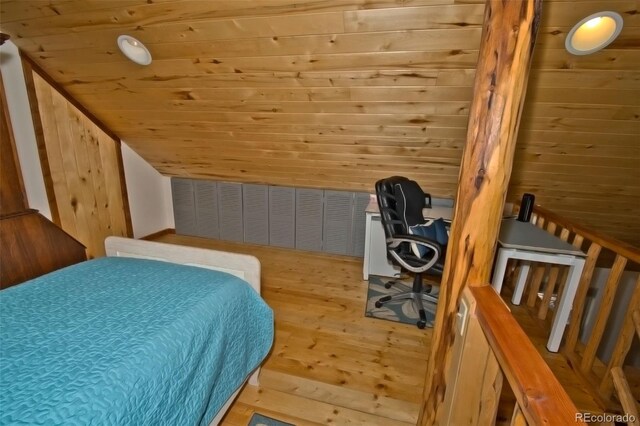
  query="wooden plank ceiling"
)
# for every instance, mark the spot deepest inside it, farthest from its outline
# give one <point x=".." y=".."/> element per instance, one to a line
<point x="339" y="93"/>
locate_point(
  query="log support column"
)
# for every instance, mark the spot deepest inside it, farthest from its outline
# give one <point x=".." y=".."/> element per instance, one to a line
<point x="506" y="49"/>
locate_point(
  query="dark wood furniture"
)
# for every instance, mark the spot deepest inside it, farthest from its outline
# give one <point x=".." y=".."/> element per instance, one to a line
<point x="30" y="244"/>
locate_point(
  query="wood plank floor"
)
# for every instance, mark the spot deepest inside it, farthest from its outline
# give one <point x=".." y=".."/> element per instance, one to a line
<point x="329" y="364"/>
<point x="332" y="365"/>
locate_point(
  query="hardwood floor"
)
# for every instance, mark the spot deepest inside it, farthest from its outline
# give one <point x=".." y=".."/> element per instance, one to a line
<point x="332" y="365"/>
<point x="329" y="364"/>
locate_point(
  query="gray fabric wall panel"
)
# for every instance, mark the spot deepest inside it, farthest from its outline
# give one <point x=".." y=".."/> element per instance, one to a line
<point x="183" y="206"/>
<point x="358" y="226"/>
<point x="230" y="211"/>
<point x="255" y="210"/>
<point x="282" y="216"/>
<point x="337" y="221"/>
<point x="309" y="219"/>
<point x="206" y="208"/>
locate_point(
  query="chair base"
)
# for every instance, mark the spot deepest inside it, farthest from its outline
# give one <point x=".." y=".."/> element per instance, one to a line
<point x="391" y="283"/>
<point x="418" y="296"/>
<point x="399" y="280"/>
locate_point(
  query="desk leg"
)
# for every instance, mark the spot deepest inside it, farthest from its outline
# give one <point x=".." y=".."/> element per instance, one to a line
<point x="521" y="282"/>
<point x="367" y="245"/>
<point x="565" y="304"/>
<point x="500" y="268"/>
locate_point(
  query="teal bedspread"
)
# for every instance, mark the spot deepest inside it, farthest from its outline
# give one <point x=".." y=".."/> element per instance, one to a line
<point x="119" y="341"/>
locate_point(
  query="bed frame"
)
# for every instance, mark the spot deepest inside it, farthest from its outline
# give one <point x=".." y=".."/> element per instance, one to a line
<point x="241" y="265"/>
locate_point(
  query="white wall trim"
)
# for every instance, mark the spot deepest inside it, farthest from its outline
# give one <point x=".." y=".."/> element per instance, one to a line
<point x="23" y="131"/>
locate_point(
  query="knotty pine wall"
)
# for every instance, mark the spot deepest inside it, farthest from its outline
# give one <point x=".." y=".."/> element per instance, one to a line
<point x="339" y="93"/>
<point x="83" y="163"/>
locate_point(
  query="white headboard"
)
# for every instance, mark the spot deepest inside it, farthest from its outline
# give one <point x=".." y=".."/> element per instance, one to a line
<point x="241" y="265"/>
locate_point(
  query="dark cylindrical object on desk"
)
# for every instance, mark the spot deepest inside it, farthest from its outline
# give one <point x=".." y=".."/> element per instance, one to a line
<point x="526" y="208"/>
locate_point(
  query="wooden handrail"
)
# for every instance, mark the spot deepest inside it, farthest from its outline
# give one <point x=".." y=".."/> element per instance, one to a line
<point x="620" y="247"/>
<point x="541" y="397"/>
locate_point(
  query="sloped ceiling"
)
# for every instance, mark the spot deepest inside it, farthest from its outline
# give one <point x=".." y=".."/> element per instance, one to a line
<point x="339" y="93"/>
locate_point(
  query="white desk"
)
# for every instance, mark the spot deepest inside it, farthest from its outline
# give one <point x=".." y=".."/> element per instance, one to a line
<point x="375" y="246"/>
<point x="527" y="242"/>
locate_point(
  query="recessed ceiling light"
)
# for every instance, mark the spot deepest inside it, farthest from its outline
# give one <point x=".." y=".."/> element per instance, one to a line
<point x="593" y="33"/>
<point x="134" y="50"/>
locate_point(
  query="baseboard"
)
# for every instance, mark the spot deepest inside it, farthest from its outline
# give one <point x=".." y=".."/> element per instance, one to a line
<point x="158" y="234"/>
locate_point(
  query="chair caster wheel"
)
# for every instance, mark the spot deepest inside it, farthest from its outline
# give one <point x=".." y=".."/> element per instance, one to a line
<point x="388" y="285"/>
<point x="421" y="324"/>
<point x="378" y="304"/>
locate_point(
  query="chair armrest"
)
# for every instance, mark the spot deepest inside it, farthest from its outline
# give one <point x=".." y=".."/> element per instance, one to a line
<point x="417" y="239"/>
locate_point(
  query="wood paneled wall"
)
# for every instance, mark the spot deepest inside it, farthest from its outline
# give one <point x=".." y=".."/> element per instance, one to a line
<point x="579" y="144"/>
<point x="339" y="93"/>
<point x="84" y="171"/>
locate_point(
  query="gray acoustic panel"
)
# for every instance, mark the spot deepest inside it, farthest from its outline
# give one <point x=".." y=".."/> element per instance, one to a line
<point x="255" y="210"/>
<point x="206" y="208"/>
<point x="309" y="219"/>
<point x="337" y="221"/>
<point x="282" y="216"/>
<point x="358" y="224"/>
<point x="184" y="211"/>
<point x="230" y="211"/>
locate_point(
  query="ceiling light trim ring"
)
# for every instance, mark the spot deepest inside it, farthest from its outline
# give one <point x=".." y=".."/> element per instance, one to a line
<point x="585" y="33"/>
<point x="134" y="49"/>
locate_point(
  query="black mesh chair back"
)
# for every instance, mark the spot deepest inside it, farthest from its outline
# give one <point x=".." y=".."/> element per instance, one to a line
<point x="387" y="204"/>
<point x="410" y="200"/>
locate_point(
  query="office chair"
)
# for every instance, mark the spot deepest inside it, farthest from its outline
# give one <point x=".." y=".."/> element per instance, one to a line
<point x="401" y="202"/>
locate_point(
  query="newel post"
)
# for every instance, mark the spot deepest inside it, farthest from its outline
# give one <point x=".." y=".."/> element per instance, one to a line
<point x="508" y="37"/>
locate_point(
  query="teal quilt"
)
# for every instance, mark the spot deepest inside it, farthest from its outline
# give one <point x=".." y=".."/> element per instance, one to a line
<point x="121" y="341"/>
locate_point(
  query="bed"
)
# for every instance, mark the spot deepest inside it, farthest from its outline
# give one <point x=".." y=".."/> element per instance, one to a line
<point x="152" y="334"/>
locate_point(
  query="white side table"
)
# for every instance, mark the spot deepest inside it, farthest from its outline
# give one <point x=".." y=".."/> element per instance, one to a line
<point x="527" y="242"/>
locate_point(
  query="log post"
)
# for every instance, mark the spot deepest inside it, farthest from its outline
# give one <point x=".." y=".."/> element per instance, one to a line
<point x="506" y="49"/>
